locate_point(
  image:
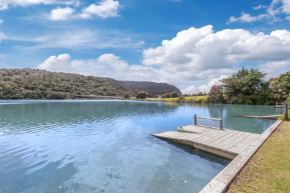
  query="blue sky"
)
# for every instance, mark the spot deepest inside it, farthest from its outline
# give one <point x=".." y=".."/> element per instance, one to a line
<point x="126" y="39"/>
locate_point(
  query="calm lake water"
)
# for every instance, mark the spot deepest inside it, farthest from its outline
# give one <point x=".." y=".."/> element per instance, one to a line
<point x="106" y="146"/>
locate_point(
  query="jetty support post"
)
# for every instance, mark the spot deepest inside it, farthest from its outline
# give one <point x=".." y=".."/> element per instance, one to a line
<point x="285" y="111"/>
<point x="221" y="123"/>
<point x="195" y="120"/>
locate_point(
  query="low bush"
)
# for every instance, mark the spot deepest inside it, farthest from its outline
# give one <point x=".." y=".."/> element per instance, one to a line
<point x="270" y="103"/>
<point x="282" y="116"/>
<point x="181" y="99"/>
<point x="174" y="94"/>
<point x="126" y="96"/>
<point x="141" y="95"/>
<point x="149" y="95"/>
<point x="249" y="102"/>
<point x="167" y="95"/>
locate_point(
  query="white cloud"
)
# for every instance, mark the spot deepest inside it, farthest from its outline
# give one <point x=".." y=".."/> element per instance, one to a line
<point x="202" y="54"/>
<point x="61" y="13"/>
<point x="104" y="9"/>
<point x="279" y="6"/>
<point x="215" y="81"/>
<point x="106" y="65"/>
<point x="248" y="18"/>
<point x="275" y="8"/>
<point x="281" y="34"/>
<point x="260" y="7"/>
<point x="2" y="36"/>
<point x="286" y="6"/>
<point x="77" y="39"/>
<point x="190" y="90"/>
<point x="274" y="69"/>
<point x="202" y="48"/>
<point x="5" y="4"/>
<point x="102" y="66"/>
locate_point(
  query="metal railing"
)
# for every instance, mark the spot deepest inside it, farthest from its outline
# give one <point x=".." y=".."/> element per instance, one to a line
<point x="215" y="119"/>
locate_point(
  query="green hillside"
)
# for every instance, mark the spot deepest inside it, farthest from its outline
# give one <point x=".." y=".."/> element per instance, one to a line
<point x="41" y="84"/>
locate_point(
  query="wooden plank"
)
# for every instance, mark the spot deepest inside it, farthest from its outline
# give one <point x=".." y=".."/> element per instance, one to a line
<point x="198" y="128"/>
<point x="221" y="134"/>
<point x="215" y="151"/>
<point x="209" y="136"/>
<point x="177" y="135"/>
<point x="161" y="134"/>
<point x="195" y="136"/>
<point x="166" y="134"/>
<point x="207" y="132"/>
<point x="243" y="143"/>
<point x="193" y="129"/>
<point x="248" y="143"/>
<point x="228" y="140"/>
<point x="217" y="141"/>
<point x="226" y="144"/>
<point x="169" y="134"/>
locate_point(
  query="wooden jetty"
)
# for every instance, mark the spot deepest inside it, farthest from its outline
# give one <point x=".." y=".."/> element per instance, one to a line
<point x="222" y="142"/>
<point x="236" y="145"/>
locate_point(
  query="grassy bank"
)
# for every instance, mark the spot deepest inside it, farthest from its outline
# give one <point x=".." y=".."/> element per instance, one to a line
<point x="190" y="99"/>
<point x="269" y="169"/>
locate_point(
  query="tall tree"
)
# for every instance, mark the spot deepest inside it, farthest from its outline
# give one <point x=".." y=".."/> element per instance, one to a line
<point x="283" y="82"/>
<point x="248" y="87"/>
<point x="216" y="95"/>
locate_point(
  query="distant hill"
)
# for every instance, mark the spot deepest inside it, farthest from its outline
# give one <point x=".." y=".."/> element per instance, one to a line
<point x="41" y="84"/>
<point x="152" y="87"/>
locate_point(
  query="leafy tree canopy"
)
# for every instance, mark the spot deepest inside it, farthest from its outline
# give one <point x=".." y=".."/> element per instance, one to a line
<point x="283" y="82"/>
<point x="248" y="86"/>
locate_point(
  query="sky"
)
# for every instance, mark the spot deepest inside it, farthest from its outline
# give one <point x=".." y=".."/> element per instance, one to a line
<point x="188" y="43"/>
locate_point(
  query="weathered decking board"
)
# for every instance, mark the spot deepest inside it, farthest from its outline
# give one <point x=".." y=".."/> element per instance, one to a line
<point x="225" y="143"/>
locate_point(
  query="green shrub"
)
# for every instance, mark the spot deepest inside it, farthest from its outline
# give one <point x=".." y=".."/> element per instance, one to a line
<point x="126" y="95"/>
<point x="149" y="95"/>
<point x="249" y="102"/>
<point x="167" y="95"/>
<point x="174" y="94"/>
<point x="270" y="103"/>
<point x="141" y="95"/>
<point x="216" y="94"/>
<point x="282" y="116"/>
<point x="181" y="99"/>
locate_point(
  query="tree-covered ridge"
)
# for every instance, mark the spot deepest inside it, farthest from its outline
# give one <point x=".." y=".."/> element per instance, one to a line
<point x="152" y="87"/>
<point x="41" y="84"/>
